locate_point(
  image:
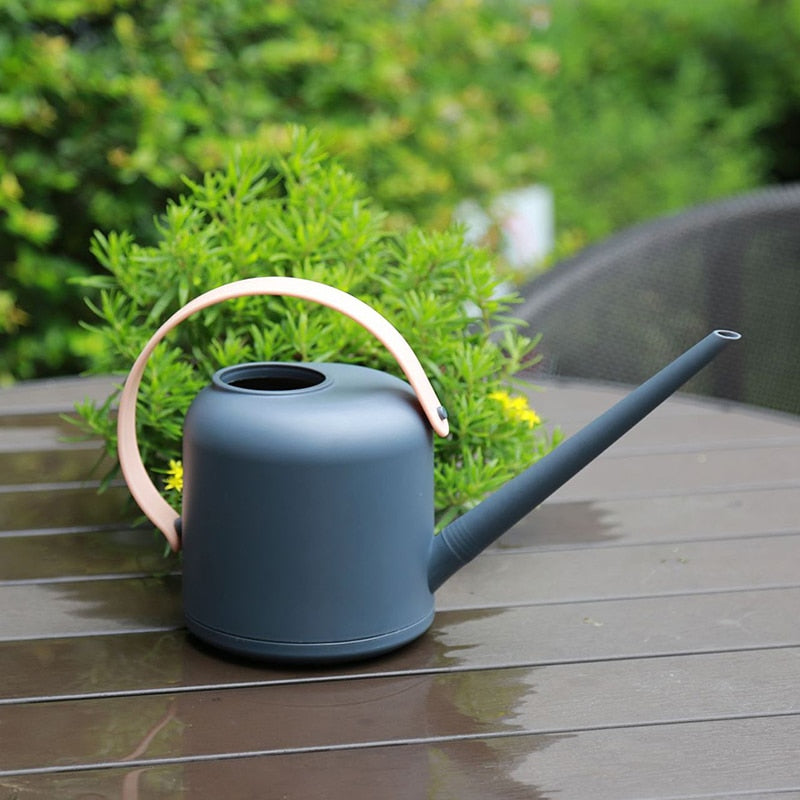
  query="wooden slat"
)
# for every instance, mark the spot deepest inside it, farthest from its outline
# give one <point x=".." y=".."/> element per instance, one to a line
<point x="458" y="640"/>
<point x="40" y="438"/>
<point x="577" y="399"/>
<point x="56" y="506"/>
<point x="68" y="608"/>
<point x="55" y="396"/>
<point x="567" y="401"/>
<point x="508" y="577"/>
<point x="717" y="759"/>
<point x="619" y="628"/>
<point x="672" y="518"/>
<point x="397" y="709"/>
<point x="79" y="554"/>
<point x="26" y="456"/>
<point x="662" y="474"/>
<point x="664" y="431"/>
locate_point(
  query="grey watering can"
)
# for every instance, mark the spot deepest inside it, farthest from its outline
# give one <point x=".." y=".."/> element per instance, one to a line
<point x="307" y="518"/>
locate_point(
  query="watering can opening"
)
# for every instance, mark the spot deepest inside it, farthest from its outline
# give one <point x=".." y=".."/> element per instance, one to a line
<point x="269" y="378"/>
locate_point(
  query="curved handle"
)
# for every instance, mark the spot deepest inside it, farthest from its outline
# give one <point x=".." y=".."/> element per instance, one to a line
<point x="157" y="510"/>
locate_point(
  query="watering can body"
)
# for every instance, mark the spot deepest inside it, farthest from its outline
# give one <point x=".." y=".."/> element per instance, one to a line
<point x="307" y="512"/>
<point x="307" y="518"/>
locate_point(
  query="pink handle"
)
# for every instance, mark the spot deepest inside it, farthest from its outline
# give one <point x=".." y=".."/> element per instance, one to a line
<point x="158" y="511"/>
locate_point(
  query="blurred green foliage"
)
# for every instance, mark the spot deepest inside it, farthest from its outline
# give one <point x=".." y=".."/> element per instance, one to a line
<point x="627" y="109"/>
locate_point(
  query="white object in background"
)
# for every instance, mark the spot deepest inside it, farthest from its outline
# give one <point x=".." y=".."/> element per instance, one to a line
<point x="477" y="223"/>
<point x="527" y="220"/>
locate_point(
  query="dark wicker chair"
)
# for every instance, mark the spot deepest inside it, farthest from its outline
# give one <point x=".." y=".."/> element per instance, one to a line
<point x="621" y="309"/>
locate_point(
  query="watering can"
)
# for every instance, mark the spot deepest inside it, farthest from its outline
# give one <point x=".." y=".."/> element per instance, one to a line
<point x="307" y="510"/>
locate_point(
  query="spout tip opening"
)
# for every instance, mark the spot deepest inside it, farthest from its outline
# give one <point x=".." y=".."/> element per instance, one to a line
<point x="731" y="335"/>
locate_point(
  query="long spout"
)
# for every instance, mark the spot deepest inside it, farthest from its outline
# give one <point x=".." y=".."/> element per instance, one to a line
<point x="467" y="536"/>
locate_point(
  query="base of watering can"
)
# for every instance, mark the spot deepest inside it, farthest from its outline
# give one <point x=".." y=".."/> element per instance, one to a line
<point x="310" y="652"/>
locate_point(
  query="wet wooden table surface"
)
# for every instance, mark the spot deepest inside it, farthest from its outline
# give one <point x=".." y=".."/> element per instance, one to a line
<point x="637" y="636"/>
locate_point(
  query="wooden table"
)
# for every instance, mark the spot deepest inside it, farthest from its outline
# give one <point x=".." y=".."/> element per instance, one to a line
<point x="637" y="636"/>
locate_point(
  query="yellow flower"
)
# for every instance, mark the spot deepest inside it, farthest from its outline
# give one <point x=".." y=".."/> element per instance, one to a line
<point x="517" y="408"/>
<point x="174" y="476"/>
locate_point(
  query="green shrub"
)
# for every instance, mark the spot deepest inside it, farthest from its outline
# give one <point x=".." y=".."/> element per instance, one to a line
<point x="626" y="109"/>
<point x="661" y="105"/>
<point x="303" y="215"/>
